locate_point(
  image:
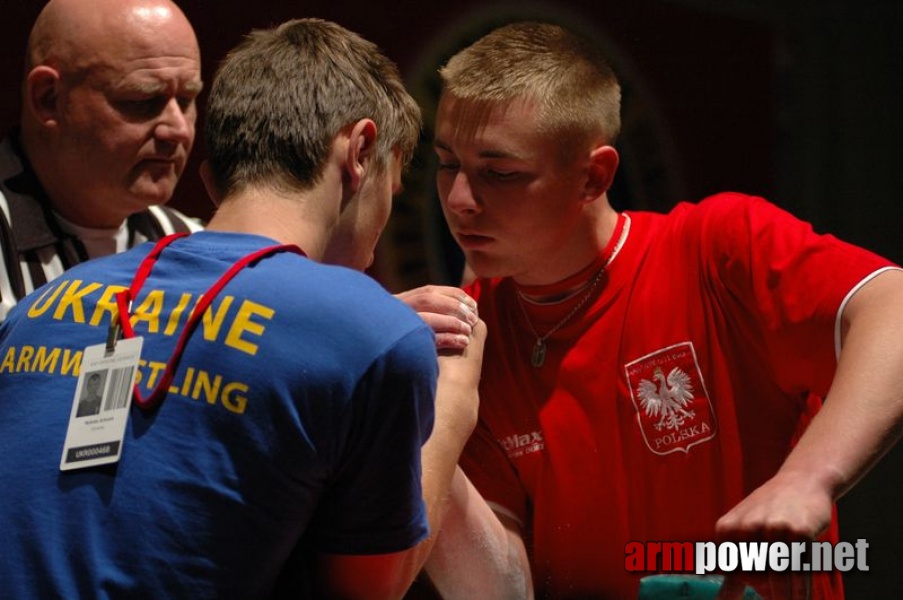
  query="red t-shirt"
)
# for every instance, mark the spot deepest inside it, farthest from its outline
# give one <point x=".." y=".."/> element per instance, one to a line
<point x="676" y="390"/>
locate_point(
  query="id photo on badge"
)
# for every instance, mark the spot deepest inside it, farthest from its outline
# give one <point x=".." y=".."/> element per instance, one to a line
<point x="92" y="393"/>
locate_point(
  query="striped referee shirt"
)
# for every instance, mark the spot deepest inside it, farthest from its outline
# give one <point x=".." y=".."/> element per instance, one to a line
<point x="34" y="245"/>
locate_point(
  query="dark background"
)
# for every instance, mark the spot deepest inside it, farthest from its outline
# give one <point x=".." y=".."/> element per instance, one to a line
<point x="793" y="100"/>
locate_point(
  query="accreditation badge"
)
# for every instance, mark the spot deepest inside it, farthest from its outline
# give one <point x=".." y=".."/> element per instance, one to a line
<point x="100" y="408"/>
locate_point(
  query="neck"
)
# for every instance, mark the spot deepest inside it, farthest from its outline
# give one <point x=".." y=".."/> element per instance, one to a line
<point x="288" y="219"/>
<point x="585" y="279"/>
<point x="579" y="262"/>
<point x="82" y="212"/>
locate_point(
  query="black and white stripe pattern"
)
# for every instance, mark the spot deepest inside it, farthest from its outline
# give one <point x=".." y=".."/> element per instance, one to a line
<point x="34" y="248"/>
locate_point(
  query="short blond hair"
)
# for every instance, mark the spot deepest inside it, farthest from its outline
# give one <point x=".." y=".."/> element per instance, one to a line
<point x="566" y="77"/>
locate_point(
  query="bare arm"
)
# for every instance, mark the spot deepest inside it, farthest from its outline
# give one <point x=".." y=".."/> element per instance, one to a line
<point x="478" y="554"/>
<point x="475" y="554"/>
<point x="861" y="420"/>
<point x="457" y="406"/>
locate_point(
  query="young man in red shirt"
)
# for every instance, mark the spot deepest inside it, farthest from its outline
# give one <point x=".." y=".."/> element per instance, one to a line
<point x="647" y="377"/>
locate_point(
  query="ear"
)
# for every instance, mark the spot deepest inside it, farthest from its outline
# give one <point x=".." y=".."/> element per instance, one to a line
<point x="206" y="174"/>
<point x="41" y="94"/>
<point x="601" y="172"/>
<point x="360" y="152"/>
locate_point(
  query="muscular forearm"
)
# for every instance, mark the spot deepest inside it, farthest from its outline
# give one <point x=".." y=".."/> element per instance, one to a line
<point x="440" y="456"/>
<point x="475" y="556"/>
<point x="457" y="406"/>
<point x="863" y="413"/>
<point x="861" y="420"/>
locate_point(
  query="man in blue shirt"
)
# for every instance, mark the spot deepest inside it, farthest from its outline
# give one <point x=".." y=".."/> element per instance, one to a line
<point x="282" y="406"/>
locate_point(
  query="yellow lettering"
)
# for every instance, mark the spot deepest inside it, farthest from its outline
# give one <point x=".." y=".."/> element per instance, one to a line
<point x="71" y="362"/>
<point x="25" y="355"/>
<point x="149" y="311"/>
<point x="235" y="402"/>
<point x="36" y="360"/>
<point x="44" y="363"/>
<point x="9" y="361"/>
<point x="213" y="319"/>
<point x="73" y="298"/>
<point x="243" y="323"/>
<point x="43" y="303"/>
<point x="186" y="385"/>
<point x="176" y="315"/>
<point x="107" y="304"/>
<point x="203" y="384"/>
<point x="155" y="368"/>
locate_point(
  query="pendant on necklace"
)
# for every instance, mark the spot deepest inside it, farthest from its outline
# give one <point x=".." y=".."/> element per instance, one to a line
<point x="539" y="353"/>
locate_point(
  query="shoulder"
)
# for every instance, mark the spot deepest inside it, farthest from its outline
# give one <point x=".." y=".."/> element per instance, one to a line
<point x="355" y="325"/>
<point x="359" y="293"/>
<point x="334" y="297"/>
<point x="719" y="207"/>
<point x="76" y="291"/>
<point x="729" y="220"/>
<point x="114" y="269"/>
<point x="21" y="204"/>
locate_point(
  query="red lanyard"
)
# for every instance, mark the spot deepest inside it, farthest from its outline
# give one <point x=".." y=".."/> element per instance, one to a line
<point x="125" y="297"/>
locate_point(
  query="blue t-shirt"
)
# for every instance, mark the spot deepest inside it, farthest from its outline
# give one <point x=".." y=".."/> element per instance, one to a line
<point x="294" y="421"/>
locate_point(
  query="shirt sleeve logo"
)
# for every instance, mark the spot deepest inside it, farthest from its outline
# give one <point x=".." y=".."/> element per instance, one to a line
<point x="668" y="392"/>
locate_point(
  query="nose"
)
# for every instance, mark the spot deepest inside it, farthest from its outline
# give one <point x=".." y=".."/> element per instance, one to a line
<point x="461" y="197"/>
<point x="176" y="124"/>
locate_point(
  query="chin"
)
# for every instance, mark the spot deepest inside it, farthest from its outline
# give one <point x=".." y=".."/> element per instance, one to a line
<point x="149" y="195"/>
<point x="484" y="267"/>
<point x="151" y="176"/>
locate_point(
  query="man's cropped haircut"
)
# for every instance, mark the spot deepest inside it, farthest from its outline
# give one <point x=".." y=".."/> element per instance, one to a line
<point x="283" y="94"/>
<point x="568" y="78"/>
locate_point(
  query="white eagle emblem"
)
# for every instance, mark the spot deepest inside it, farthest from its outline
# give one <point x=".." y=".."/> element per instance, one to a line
<point x="668" y="400"/>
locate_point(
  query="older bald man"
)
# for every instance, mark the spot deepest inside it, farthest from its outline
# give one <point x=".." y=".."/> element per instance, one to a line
<point x="108" y="121"/>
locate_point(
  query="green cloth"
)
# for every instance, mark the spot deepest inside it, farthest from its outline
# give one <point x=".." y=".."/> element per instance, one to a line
<point x="685" y="587"/>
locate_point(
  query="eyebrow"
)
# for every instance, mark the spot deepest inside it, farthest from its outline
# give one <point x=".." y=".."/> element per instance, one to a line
<point x="498" y="154"/>
<point x="482" y="154"/>
<point x="195" y="85"/>
<point x="155" y="87"/>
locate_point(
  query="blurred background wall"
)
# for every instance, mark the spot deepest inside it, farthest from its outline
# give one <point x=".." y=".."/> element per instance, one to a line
<point x="794" y="100"/>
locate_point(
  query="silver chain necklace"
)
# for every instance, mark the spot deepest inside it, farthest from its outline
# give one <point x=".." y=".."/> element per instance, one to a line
<point x="538" y="358"/>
